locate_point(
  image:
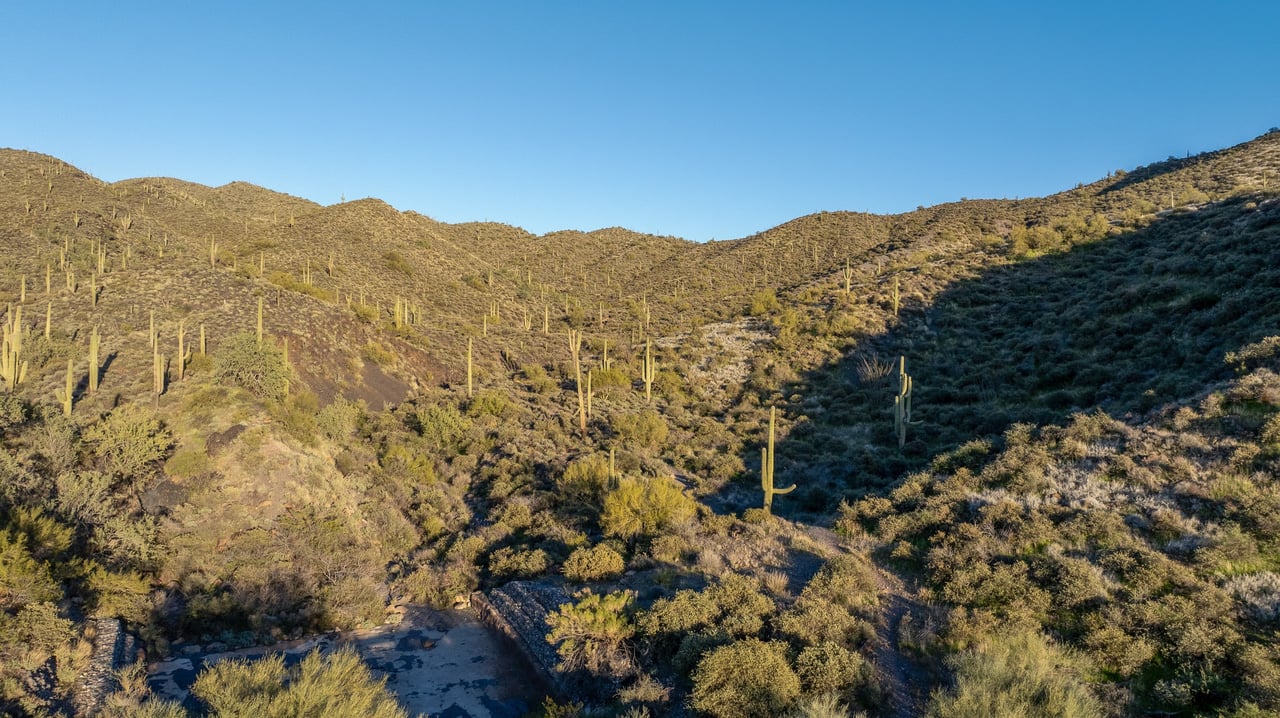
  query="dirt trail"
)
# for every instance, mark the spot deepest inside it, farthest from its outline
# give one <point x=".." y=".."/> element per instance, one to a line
<point x="905" y="680"/>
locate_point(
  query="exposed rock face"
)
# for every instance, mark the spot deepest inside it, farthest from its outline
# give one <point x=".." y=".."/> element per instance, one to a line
<point x="520" y="609"/>
<point x="113" y="649"/>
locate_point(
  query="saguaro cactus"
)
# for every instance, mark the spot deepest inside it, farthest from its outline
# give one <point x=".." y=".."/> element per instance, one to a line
<point x="64" y="395"/>
<point x="13" y="368"/>
<point x="184" y="354"/>
<point x="766" y="468"/>
<point x="575" y="350"/>
<point x="647" y="372"/>
<point x="848" y="276"/>
<point x="259" y="321"/>
<point x="897" y="285"/>
<point x="95" y="343"/>
<point x="469" y="391"/>
<point x="902" y="403"/>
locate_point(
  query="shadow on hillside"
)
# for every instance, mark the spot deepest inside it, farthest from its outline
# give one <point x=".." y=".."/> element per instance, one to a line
<point x="1123" y="325"/>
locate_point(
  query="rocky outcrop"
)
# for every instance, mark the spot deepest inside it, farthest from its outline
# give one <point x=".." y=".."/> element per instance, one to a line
<point x="519" y="610"/>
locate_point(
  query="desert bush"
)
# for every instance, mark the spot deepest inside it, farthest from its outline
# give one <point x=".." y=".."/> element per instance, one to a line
<point x="585" y="479"/>
<point x="337" y="685"/>
<point x="13" y="411"/>
<point x="646" y="430"/>
<point x="337" y="420"/>
<point x="645" y="507"/>
<point x="1012" y="676"/>
<point x="535" y="376"/>
<point x="1259" y="594"/>
<point x="442" y="425"/>
<point x="830" y="668"/>
<point x="258" y="367"/>
<point x="518" y="563"/>
<point x="23" y="579"/>
<point x="84" y="497"/>
<point x="128" y="439"/>
<point x="598" y="563"/>
<point x="592" y="633"/>
<point x="746" y="679"/>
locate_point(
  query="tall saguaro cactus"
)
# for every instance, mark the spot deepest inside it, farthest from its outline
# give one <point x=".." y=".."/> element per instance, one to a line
<point x="13" y="368"/>
<point x="95" y="345"/>
<point x="469" y="391"/>
<point x="902" y="403"/>
<point x="766" y="468"/>
<point x="575" y="350"/>
<point x="848" y="277"/>
<point x="64" y="394"/>
<point x="647" y="371"/>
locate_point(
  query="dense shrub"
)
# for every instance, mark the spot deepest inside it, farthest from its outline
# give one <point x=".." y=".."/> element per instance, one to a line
<point x="598" y="563"/>
<point x="258" y="367"/>
<point x="128" y="439"/>
<point x="1015" y="676"/>
<point x="337" y="685"/>
<point x="646" y="507"/>
<point x="591" y="633"/>
<point x="746" y="679"/>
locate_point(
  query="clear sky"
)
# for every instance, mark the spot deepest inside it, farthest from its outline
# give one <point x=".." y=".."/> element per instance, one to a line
<point x="696" y="119"/>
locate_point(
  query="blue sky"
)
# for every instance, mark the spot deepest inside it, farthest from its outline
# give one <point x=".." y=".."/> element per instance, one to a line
<point x="695" y="119"/>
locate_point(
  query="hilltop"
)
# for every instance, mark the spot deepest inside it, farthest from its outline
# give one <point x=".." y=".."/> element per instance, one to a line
<point x="389" y="409"/>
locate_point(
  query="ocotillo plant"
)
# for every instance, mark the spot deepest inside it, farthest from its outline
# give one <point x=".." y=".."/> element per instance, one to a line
<point x="647" y="371"/>
<point x="902" y="403"/>
<point x="95" y="342"/>
<point x="766" y="468"/>
<point x="575" y="349"/>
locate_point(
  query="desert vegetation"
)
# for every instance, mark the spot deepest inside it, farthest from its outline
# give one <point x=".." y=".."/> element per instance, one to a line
<point x="989" y="453"/>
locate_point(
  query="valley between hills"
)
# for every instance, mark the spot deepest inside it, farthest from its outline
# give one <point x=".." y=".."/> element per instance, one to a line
<point x="991" y="457"/>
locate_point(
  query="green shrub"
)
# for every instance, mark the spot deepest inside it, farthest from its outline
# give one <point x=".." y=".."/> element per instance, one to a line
<point x="646" y="430"/>
<point x="598" y="563"/>
<point x="1013" y="676"/>
<point x="260" y="368"/>
<point x="488" y="403"/>
<point x="591" y="633"/>
<point x="337" y="685"/>
<point x="646" y="507"/>
<point x="828" y="667"/>
<point x="442" y="425"/>
<point x="128" y="439"/>
<point x="23" y="579"/>
<point x="746" y="679"/>
<point x="378" y="354"/>
<point x="512" y="563"/>
<point x="337" y="420"/>
<point x="585" y="479"/>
